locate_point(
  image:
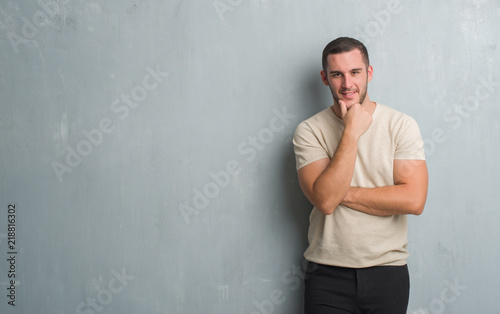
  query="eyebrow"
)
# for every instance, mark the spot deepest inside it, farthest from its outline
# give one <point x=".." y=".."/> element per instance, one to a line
<point x="357" y="69"/>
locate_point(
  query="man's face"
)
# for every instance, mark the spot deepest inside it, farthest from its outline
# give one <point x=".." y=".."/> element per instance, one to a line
<point x="347" y="77"/>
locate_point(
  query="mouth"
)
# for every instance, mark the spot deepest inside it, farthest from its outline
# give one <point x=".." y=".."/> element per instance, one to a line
<point x="348" y="94"/>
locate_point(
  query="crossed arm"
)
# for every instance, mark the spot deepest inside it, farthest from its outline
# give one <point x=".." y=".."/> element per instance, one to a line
<point x="326" y="183"/>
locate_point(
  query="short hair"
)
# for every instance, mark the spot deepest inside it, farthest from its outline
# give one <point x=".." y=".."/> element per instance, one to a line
<point x="344" y="44"/>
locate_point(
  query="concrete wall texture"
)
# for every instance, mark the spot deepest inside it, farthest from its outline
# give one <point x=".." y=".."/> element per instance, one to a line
<point x="146" y="156"/>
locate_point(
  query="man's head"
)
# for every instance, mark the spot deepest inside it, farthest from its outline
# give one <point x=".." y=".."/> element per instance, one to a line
<point x="344" y="44"/>
<point x="347" y="71"/>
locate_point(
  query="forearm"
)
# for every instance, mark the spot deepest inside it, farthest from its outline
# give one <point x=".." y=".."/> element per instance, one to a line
<point x="385" y="201"/>
<point x="326" y="182"/>
<point x="334" y="182"/>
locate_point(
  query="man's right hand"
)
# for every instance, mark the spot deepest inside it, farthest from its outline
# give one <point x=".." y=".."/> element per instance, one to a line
<point x="357" y="119"/>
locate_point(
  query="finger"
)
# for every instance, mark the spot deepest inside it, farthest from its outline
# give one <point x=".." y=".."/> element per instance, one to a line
<point x="343" y="108"/>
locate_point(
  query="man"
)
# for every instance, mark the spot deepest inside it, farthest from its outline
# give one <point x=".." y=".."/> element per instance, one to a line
<point x="362" y="165"/>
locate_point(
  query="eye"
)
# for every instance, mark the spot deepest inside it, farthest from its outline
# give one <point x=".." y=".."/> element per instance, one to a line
<point x="335" y="74"/>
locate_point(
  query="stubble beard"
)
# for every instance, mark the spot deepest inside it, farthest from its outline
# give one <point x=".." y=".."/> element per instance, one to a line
<point x="362" y="96"/>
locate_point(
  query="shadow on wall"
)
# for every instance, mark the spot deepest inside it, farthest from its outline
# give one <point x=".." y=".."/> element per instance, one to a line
<point x="319" y="96"/>
<point x="296" y="208"/>
<point x="296" y="205"/>
<point x="313" y="98"/>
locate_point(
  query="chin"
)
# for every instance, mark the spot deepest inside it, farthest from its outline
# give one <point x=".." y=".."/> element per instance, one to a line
<point x="349" y="103"/>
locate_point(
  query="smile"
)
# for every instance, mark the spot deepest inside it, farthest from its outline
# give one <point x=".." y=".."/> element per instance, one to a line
<point x="348" y="93"/>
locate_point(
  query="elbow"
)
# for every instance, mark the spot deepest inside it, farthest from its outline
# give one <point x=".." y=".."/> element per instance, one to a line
<point x="326" y="211"/>
<point x="327" y="205"/>
<point x="417" y="207"/>
<point x="417" y="211"/>
<point x="414" y="201"/>
<point x="326" y="208"/>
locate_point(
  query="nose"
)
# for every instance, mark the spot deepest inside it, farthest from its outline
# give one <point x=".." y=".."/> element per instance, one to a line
<point x="346" y="82"/>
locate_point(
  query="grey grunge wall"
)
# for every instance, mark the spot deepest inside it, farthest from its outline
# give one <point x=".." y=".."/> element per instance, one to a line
<point x="146" y="157"/>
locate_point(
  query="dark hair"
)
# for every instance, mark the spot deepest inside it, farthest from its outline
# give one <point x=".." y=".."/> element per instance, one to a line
<point x="344" y="44"/>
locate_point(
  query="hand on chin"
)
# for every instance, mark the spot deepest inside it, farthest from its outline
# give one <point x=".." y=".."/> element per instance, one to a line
<point x="349" y="102"/>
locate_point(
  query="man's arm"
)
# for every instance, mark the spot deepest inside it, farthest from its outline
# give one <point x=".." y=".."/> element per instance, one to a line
<point x="326" y="182"/>
<point x="406" y="196"/>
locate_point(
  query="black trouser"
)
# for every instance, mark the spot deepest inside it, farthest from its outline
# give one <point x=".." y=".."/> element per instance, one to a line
<point x="374" y="290"/>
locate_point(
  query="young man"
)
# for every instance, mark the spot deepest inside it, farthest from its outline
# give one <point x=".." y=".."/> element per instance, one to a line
<point x="362" y="165"/>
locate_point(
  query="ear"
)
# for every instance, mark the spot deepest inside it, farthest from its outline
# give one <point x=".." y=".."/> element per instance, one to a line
<point x="370" y="73"/>
<point x="324" y="78"/>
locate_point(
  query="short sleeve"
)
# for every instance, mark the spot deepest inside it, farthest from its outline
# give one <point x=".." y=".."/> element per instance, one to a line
<point x="409" y="143"/>
<point x="307" y="146"/>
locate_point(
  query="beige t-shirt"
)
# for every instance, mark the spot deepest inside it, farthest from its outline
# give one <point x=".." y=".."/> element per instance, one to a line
<point x="350" y="238"/>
